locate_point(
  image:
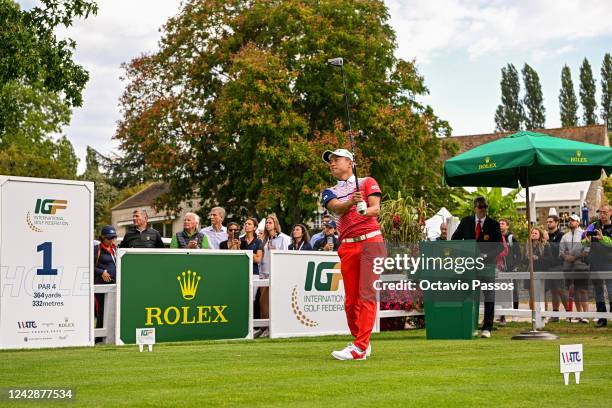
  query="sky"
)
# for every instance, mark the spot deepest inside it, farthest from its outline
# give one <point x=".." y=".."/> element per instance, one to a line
<point x="459" y="47"/>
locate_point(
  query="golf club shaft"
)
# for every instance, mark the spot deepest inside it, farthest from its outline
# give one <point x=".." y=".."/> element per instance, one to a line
<point x="348" y="116"/>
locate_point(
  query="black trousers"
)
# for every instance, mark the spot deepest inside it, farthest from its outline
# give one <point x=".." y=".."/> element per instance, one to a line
<point x="489" y="309"/>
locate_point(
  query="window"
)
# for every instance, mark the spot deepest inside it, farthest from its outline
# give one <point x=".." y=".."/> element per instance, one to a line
<point x="163" y="227"/>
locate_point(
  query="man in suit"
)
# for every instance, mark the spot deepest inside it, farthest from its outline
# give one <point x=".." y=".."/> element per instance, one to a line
<point x="486" y="231"/>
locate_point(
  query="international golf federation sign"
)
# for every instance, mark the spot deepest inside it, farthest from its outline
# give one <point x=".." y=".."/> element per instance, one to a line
<point x="46" y="256"/>
<point x="184" y="294"/>
<point x="306" y="294"/>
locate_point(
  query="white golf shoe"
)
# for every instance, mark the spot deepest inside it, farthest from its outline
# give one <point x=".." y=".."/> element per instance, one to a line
<point x="350" y="352"/>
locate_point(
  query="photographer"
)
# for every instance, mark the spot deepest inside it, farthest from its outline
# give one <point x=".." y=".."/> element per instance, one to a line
<point x="598" y="236"/>
<point x="329" y="242"/>
<point x="233" y="238"/>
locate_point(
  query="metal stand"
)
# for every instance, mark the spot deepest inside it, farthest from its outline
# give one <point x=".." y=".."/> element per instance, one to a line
<point x="534" y="333"/>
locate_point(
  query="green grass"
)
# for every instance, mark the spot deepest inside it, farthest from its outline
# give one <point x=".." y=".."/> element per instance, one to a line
<point x="405" y="370"/>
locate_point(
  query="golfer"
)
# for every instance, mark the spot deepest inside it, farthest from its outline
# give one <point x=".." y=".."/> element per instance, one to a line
<point x="360" y="241"/>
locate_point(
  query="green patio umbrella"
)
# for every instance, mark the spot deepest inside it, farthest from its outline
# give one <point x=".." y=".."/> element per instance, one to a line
<point x="531" y="159"/>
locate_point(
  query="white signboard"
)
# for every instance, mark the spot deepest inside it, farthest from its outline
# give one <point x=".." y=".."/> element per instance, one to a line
<point x="306" y="294"/>
<point x="571" y="360"/>
<point x="145" y="337"/>
<point x="46" y="251"/>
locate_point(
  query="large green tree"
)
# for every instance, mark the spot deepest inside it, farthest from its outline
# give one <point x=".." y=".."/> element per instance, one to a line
<point x="509" y="115"/>
<point x="239" y="104"/>
<point x="568" y="104"/>
<point x="606" y="90"/>
<point x="587" y="94"/>
<point x="535" y="113"/>
<point x="39" y="84"/>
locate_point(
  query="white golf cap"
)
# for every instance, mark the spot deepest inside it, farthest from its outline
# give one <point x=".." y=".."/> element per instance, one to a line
<point x="575" y="217"/>
<point x="338" y="152"/>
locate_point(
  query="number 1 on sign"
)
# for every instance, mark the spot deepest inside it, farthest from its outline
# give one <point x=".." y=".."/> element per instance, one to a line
<point x="46" y="248"/>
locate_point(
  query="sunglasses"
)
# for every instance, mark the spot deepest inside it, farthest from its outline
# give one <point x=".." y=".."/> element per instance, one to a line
<point x="480" y="206"/>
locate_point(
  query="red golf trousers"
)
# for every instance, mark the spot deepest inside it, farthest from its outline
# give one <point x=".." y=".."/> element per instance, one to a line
<point x="356" y="261"/>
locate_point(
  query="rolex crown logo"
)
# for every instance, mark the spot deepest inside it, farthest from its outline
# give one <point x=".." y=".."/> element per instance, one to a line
<point x="578" y="153"/>
<point x="189" y="284"/>
<point x="487" y="160"/>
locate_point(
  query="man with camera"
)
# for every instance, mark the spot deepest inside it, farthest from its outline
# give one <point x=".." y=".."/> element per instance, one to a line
<point x="599" y="237"/>
<point x="328" y="242"/>
<point x="313" y="240"/>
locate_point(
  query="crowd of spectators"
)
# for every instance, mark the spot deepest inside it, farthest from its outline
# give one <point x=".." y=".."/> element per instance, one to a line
<point x="575" y="249"/>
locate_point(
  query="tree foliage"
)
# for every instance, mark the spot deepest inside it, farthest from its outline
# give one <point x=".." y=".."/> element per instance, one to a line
<point x="587" y="94"/>
<point x="568" y="104"/>
<point x="39" y="84"/>
<point x="239" y="104"/>
<point x="510" y="114"/>
<point x="535" y="113"/>
<point x="606" y="90"/>
<point x="500" y="205"/>
<point x="105" y="195"/>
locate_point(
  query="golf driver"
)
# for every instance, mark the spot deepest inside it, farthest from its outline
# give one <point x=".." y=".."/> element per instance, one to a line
<point x="339" y="62"/>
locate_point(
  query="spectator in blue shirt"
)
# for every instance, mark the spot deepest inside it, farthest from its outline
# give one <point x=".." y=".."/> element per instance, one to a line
<point x="326" y="218"/>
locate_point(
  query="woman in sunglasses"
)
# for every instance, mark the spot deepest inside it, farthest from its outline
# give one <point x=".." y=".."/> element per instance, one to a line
<point x="233" y="238"/>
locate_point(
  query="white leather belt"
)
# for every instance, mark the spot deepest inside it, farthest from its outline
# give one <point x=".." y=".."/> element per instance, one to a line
<point x="362" y="237"/>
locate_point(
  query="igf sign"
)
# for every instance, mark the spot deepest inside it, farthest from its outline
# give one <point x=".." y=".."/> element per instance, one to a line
<point x="46" y="260"/>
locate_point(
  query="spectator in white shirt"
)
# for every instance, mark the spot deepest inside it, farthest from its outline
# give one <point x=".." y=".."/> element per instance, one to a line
<point x="216" y="232"/>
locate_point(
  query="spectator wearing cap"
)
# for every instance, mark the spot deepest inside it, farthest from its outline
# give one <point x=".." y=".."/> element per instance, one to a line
<point x="328" y="242"/>
<point x="105" y="256"/>
<point x="189" y="237"/>
<point x="319" y="235"/>
<point x="105" y="266"/>
<point x="216" y="232"/>
<point x="573" y="254"/>
<point x="141" y="235"/>
<point x="299" y="239"/>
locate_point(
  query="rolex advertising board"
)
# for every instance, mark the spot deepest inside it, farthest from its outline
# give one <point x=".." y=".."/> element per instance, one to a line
<point x="184" y="294"/>
<point x="46" y="250"/>
<point x="306" y="294"/>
